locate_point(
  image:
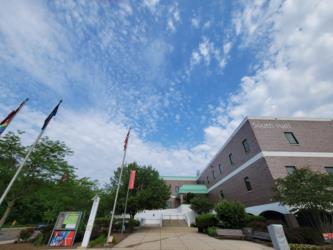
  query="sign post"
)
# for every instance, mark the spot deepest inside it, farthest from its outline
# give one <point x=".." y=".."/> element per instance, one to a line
<point x="91" y="221"/>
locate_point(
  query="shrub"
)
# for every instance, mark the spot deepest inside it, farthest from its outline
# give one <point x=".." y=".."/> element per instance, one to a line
<point x="249" y="218"/>
<point x="39" y="240"/>
<point x="304" y="235"/>
<point x="303" y="247"/>
<point x="204" y="221"/>
<point x="25" y="234"/>
<point x="231" y="213"/>
<point x="99" y="241"/>
<point x="201" y="204"/>
<point x="211" y="231"/>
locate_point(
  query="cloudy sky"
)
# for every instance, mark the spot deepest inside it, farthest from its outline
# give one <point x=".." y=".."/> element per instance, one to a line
<point x="182" y="74"/>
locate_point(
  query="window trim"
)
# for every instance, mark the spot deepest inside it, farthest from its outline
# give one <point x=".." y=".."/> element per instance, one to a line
<point x="293" y="136"/>
<point x="246" y="149"/>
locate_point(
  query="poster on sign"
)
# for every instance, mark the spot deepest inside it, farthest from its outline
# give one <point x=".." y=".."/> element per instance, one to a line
<point x="65" y="229"/>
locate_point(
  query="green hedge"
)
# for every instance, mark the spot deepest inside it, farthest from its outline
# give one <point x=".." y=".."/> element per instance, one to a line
<point x="204" y="221"/>
<point x="231" y="213"/>
<point x="211" y="231"/>
<point x="303" y="247"/>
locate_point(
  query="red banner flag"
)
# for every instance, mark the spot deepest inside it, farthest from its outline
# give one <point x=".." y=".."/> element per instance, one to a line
<point x="126" y="139"/>
<point x="131" y="180"/>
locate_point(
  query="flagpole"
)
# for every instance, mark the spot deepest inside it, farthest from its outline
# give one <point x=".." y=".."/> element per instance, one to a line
<point x="122" y="226"/>
<point x="20" y="167"/>
<point x="109" y="240"/>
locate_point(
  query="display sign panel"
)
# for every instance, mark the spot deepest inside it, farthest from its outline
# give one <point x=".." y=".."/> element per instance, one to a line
<point x="64" y="230"/>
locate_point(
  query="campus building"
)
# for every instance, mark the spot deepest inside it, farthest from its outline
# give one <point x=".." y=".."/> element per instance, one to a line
<point x="260" y="150"/>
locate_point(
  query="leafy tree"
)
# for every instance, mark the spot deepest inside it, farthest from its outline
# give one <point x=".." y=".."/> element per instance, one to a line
<point x="46" y="185"/>
<point x="150" y="191"/>
<point x="231" y="213"/>
<point x="308" y="192"/>
<point x="201" y="204"/>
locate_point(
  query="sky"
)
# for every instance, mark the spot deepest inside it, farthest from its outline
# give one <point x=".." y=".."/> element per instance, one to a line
<point x="182" y="74"/>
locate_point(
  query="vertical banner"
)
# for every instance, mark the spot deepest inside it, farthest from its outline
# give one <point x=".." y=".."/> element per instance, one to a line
<point x="65" y="229"/>
<point x="131" y="180"/>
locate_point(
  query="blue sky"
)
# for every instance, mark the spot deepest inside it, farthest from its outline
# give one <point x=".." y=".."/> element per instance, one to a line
<point x="183" y="74"/>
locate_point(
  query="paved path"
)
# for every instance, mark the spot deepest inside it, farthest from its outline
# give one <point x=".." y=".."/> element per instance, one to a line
<point x="172" y="238"/>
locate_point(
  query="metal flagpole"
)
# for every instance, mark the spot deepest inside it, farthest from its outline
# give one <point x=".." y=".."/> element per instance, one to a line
<point x="47" y="120"/>
<point x="109" y="238"/>
<point x="20" y="167"/>
<point x="123" y="225"/>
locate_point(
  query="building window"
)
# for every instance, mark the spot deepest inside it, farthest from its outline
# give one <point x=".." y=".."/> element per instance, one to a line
<point x="222" y="194"/>
<point x="207" y="180"/>
<point x="247" y="183"/>
<point x="177" y="189"/>
<point x="291" y="138"/>
<point x="213" y="174"/>
<point x="291" y="169"/>
<point x="220" y="168"/>
<point x="329" y="170"/>
<point x="230" y="159"/>
<point x="246" y="146"/>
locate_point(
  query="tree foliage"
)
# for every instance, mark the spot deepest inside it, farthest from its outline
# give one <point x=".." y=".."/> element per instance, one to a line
<point x="201" y="204"/>
<point x="231" y="213"/>
<point x="150" y="191"/>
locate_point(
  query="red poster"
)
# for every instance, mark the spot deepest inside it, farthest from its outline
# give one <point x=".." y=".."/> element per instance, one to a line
<point x="131" y="179"/>
<point x="62" y="238"/>
<point x="328" y="236"/>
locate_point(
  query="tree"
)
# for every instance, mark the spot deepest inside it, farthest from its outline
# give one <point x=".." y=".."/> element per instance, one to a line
<point x="40" y="191"/>
<point x="201" y="204"/>
<point x="150" y="191"/>
<point x="231" y="213"/>
<point x="308" y="192"/>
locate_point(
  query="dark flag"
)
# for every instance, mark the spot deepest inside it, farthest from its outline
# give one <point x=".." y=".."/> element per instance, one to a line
<point x="126" y="139"/>
<point x="53" y="113"/>
<point x="4" y="124"/>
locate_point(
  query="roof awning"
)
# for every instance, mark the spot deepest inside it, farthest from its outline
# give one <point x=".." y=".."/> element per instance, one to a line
<point x="193" y="188"/>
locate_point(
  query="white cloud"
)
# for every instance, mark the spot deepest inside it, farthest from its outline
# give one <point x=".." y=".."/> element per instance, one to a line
<point x="151" y="3"/>
<point x="195" y="22"/>
<point x="174" y="18"/>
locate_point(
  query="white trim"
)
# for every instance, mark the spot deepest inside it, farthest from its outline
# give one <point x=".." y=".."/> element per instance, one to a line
<point x="275" y="206"/>
<point x="297" y="154"/>
<point x="224" y="145"/>
<point x="289" y="118"/>
<point x="236" y="171"/>
<point x="270" y="154"/>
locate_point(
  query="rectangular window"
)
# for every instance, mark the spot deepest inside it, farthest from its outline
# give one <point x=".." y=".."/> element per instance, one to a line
<point x="247" y="183"/>
<point x="207" y="180"/>
<point x="290" y="169"/>
<point x="246" y="146"/>
<point x="329" y="170"/>
<point x="230" y="159"/>
<point x="220" y="168"/>
<point x="291" y="138"/>
<point x="222" y="194"/>
<point x="213" y="174"/>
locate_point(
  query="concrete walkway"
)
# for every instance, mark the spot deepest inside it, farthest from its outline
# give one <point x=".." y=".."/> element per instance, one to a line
<point x="175" y="238"/>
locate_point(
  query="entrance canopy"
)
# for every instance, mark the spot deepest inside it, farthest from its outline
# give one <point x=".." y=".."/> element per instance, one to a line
<point x="193" y="188"/>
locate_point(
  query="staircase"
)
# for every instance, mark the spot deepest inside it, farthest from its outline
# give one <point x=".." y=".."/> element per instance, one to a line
<point x="174" y="223"/>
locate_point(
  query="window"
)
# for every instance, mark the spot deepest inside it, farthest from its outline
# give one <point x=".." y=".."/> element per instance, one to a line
<point x="230" y="159"/>
<point x="207" y="180"/>
<point x="329" y="170"/>
<point x="291" y="138"/>
<point x="246" y="146"/>
<point x="220" y="168"/>
<point x="213" y="173"/>
<point x="247" y="183"/>
<point x="290" y="169"/>
<point x="222" y="194"/>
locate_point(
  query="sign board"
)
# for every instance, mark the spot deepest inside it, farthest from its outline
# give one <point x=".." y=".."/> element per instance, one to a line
<point x="64" y="230"/>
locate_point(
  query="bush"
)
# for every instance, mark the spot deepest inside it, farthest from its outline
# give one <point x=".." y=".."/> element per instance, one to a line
<point x="211" y="231"/>
<point x="231" y="213"/>
<point x="201" y="204"/>
<point x="250" y="218"/>
<point x="25" y="234"/>
<point x="304" y="235"/>
<point x="204" y="221"/>
<point x="303" y="247"/>
<point x="99" y="241"/>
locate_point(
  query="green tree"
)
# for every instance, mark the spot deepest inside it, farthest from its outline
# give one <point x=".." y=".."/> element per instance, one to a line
<point x="231" y="213"/>
<point x="40" y="191"/>
<point x="308" y="192"/>
<point x="150" y="191"/>
<point x="201" y="204"/>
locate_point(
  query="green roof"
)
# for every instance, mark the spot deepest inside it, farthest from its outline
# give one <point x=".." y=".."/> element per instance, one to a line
<point x="179" y="178"/>
<point x="193" y="188"/>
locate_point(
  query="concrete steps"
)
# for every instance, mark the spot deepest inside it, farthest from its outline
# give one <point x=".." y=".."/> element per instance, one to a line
<point x="174" y="223"/>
